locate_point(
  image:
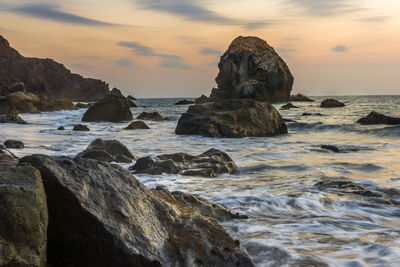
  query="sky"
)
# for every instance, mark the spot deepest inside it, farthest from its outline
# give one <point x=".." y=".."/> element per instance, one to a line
<point x="171" y="48"/>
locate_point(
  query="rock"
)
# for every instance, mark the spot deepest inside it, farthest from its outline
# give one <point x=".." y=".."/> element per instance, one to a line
<point x="232" y="118"/>
<point x="202" y="99"/>
<point x="16" y="87"/>
<point x="24" y="218"/>
<point x="137" y="125"/>
<point x="14" y="144"/>
<point x="47" y="105"/>
<point x="150" y="116"/>
<point x="250" y="68"/>
<point x="61" y="128"/>
<point x="208" y="164"/>
<point x="331" y="148"/>
<point x="300" y="98"/>
<point x="7" y="159"/>
<point x="116" y="91"/>
<point x="310" y="114"/>
<point x="82" y="105"/>
<point x="288" y="106"/>
<point x="19" y="102"/>
<point x="11" y="118"/>
<point x="331" y="103"/>
<point x="81" y="127"/>
<point x="130" y="98"/>
<point x="45" y="77"/>
<point x="112" y="108"/>
<point x="107" y="151"/>
<point x="102" y="216"/>
<point x="131" y="104"/>
<point x="184" y="102"/>
<point x="377" y="118"/>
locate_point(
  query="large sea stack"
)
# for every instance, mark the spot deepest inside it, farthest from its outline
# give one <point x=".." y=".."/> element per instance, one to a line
<point x="45" y="77"/>
<point x="250" y="68"/>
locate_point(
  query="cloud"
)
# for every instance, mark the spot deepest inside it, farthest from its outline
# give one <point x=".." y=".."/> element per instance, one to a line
<point x="124" y="62"/>
<point x="324" y="7"/>
<point x="375" y="19"/>
<point x="209" y="51"/>
<point x="53" y="12"/>
<point x="167" y="60"/>
<point x="340" y="48"/>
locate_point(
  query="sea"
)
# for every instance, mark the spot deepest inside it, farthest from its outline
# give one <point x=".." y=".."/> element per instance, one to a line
<point x="307" y="206"/>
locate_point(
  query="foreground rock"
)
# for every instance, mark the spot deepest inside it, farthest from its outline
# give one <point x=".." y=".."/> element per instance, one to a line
<point x="45" y="77"/>
<point x="250" y="68"/>
<point x="288" y="106"/>
<point x="7" y="159"/>
<point x="112" y="108"/>
<point x="102" y="216"/>
<point x="150" y="116"/>
<point x="24" y="218"/>
<point x="81" y="128"/>
<point x="232" y="118"/>
<point x="12" y="118"/>
<point x="300" y="98"/>
<point x="184" y="102"/>
<point x="14" y="144"/>
<point x="208" y="164"/>
<point x="377" y="118"/>
<point x="135" y="125"/>
<point x="107" y="151"/>
<point x="331" y="103"/>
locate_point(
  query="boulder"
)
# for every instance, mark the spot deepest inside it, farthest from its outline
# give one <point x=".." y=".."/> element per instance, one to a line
<point x="116" y="91"/>
<point x="112" y="108"/>
<point x="47" y="105"/>
<point x="184" y="102"/>
<point x="131" y="104"/>
<point x="45" y="77"/>
<point x="331" y="103"/>
<point x="7" y="158"/>
<point x="209" y="164"/>
<point x="24" y="218"/>
<point x="250" y="68"/>
<point x="81" y="128"/>
<point x="150" y="116"/>
<point x="14" y="144"/>
<point x="131" y="98"/>
<point x="300" y="98"/>
<point x="12" y="118"/>
<point x="61" y="128"/>
<point x="288" y="106"/>
<point x="19" y="102"/>
<point x="377" y="118"/>
<point x="102" y="216"/>
<point x="137" y="125"/>
<point x="232" y="118"/>
<point x="107" y="151"/>
<point x="331" y="148"/>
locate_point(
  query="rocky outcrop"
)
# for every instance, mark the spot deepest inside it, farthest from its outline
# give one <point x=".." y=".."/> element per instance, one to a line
<point x="232" y="118"/>
<point x="208" y="164"/>
<point x="12" y="118"/>
<point x="150" y="116"/>
<point x="135" y="125"/>
<point x="14" y="144"/>
<point x="24" y="218"/>
<point x="116" y="91"/>
<point x="107" y="151"/>
<point x="300" y="98"/>
<point x="131" y="104"/>
<point x="377" y="118"/>
<point x="202" y="99"/>
<point x="102" y="216"/>
<point x="331" y="103"/>
<point x="45" y="77"/>
<point x="112" y="108"/>
<point x="184" y="102"/>
<point x="250" y="68"/>
<point x="288" y="106"/>
<point x="129" y="97"/>
<point x="81" y="128"/>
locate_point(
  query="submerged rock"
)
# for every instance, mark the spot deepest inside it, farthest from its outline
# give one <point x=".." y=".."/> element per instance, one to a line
<point x="331" y="148"/>
<point x="288" y="106"/>
<point x="100" y="215"/>
<point x="232" y="118"/>
<point x="150" y="116"/>
<point x="107" y="151"/>
<point x="331" y="103"/>
<point x="81" y="127"/>
<point x="112" y="108"/>
<point x="208" y="164"/>
<point x="377" y="118"/>
<point x="14" y="144"/>
<point x="300" y="98"/>
<point x="24" y="218"/>
<point x="311" y="114"/>
<point x="137" y="125"/>
<point x="184" y="102"/>
<point x="250" y="68"/>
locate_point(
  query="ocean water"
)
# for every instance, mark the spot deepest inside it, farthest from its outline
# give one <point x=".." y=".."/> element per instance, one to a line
<point x="297" y="216"/>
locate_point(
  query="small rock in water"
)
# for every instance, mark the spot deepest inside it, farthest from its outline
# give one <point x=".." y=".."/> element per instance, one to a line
<point x="150" y="116"/>
<point x="82" y="105"/>
<point x="310" y="114"/>
<point x="80" y="127"/>
<point x="377" y="118"/>
<point x="112" y="108"/>
<point x="61" y="128"/>
<point x="14" y="144"/>
<point x="137" y="125"/>
<point x="300" y="98"/>
<point x="288" y="106"/>
<point x="116" y="91"/>
<point x="12" y="118"/>
<point x="184" y="102"/>
<point x="331" y="103"/>
<point x="331" y="148"/>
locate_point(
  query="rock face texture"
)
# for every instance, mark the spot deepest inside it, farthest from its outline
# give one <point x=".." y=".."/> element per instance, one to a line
<point x="250" y="68"/>
<point x="331" y="103"/>
<point x="232" y="118"/>
<point x="24" y="218"/>
<point x="112" y="108"/>
<point x="208" y="164"/>
<point x="377" y="118"/>
<point x="46" y="77"/>
<point x="102" y="216"/>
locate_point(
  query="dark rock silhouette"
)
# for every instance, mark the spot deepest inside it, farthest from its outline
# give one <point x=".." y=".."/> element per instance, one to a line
<point x="331" y="103"/>
<point x="288" y="106"/>
<point x="377" y="118"/>
<point x="14" y="144"/>
<point x="300" y="98"/>
<point x="81" y="127"/>
<point x="150" y="116"/>
<point x="112" y="108"/>
<point x="137" y="125"/>
<point x="184" y="102"/>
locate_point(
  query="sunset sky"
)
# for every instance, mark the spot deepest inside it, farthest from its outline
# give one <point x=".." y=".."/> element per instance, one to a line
<point x="170" y="48"/>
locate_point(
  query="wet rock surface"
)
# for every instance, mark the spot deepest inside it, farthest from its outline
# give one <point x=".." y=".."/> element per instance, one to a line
<point x="14" y="144"/>
<point x="377" y="118"/>
<point x="331" y="103"/>
<point x="250" y="68"/>
<point x="232" y="118"/>
<point x="288" y="106"/>
<point x="24" y="218"/>
<point x="300" y="98"/>
<point x="107" y="151"/>
<point x="150" y="116"/>
<point x="208" y="164"/>
<point x="112" y="108"/>
<point x="100" y="215"/>
<point x="137" y="125"/>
